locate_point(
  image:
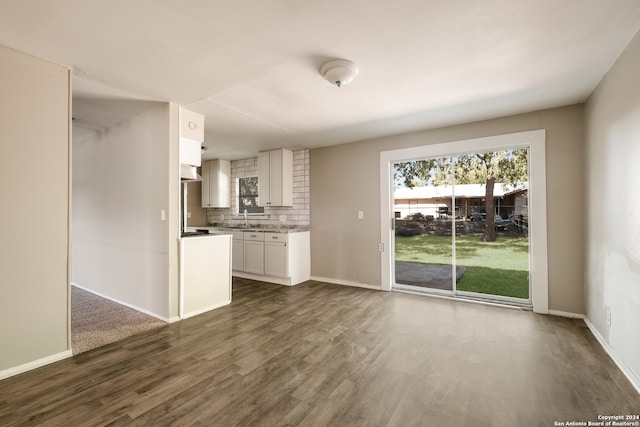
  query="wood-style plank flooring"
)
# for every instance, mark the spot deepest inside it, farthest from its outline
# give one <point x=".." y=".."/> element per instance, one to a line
<point x="322" y="354"/>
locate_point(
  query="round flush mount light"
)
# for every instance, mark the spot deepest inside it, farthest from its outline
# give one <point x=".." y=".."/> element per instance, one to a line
<point x="339" y="72"/>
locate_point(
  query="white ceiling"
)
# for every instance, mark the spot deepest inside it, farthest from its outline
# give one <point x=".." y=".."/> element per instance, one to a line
<point x="252" y="66"/>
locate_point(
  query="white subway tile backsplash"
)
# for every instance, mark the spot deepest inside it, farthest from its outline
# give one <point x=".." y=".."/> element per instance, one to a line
<point x="298" y="214"/>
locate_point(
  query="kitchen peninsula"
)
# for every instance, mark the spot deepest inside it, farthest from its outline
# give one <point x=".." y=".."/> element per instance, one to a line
<point x="205" y="273"/>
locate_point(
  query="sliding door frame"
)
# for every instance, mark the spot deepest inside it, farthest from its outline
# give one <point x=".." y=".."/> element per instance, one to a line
<point x="535" y="141"/>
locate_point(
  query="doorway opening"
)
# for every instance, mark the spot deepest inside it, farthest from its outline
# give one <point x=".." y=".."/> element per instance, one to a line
<point x="467" y="219"/>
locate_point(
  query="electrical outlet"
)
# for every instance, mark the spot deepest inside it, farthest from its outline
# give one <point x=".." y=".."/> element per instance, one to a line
<point x="608" y="316"/>
<point x="282" y="218"/>
<point x="381" y="247"/>
<point x="188" y="214"/>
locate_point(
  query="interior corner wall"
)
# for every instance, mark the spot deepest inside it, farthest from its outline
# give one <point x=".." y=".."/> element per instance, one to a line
<point x="121" y="185"/>
<point x="34" y="214"/>
<point x="197" y="215"/>
<point x="613" y="208"/>
<point x="345" y="179"/>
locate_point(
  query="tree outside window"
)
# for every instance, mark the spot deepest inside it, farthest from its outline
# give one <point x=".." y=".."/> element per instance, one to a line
<point x="248" y="195"/>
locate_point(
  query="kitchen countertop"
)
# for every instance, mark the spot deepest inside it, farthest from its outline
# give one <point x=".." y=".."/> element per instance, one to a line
<point x="192" y="234"/>
<point x="253" y="228"/>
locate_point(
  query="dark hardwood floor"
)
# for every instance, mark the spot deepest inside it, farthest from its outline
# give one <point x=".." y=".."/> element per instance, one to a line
<point x="321" y="354"/>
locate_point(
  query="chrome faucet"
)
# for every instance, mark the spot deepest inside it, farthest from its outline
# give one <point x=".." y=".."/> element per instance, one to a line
<point x="246" y="221"/>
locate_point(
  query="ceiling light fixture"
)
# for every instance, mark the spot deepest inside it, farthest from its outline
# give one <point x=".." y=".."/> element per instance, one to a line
<point x="339" y="72"/>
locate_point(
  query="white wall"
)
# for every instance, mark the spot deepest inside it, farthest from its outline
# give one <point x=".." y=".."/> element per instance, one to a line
<point x="613" y="208"/>
<point x="34" y="211"/>
<point x="121" y="183"/>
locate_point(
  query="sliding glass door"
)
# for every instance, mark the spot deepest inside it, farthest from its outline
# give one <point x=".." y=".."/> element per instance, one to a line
<point x="423" y="203"/>
<point x="461" y="224"/>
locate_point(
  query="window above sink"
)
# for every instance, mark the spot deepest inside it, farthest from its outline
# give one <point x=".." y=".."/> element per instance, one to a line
<point x="248" y="197"/>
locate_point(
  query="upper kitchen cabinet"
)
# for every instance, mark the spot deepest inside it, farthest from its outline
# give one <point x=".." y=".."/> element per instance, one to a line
<point x="191" y="137"/>
<point x="216" y="184"/>
<point x="275" y="178"/>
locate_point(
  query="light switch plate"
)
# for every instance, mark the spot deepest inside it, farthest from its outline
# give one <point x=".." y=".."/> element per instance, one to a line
<point x="360" y="214"/>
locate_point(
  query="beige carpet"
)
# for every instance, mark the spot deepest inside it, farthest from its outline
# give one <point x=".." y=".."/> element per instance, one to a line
<point x="97" y="321"/>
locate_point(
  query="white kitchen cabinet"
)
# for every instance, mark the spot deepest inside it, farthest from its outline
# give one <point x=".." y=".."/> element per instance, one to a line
<point x="282" y="258"/>
<point x="237" y="249"/>
<point x="254" y="252"/>
<point x="216" y="184"/>
<point x="190" y="152"/>
<point x="276" y="256"/>
<point x="270" y="256"/>
<point x="275" y="178"/>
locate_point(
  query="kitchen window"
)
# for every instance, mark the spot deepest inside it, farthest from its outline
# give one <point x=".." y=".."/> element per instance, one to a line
<point x="248" y="196"/>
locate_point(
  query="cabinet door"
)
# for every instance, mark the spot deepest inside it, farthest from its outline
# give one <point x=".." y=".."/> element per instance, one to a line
<point x="281" y="178"/>
<point x="276" y="259"/>
<point x="275" y="178"/>
<point x="254" y="257"/>
<point x="224" y="184"/>
<point x="216" y="184"/>
<point x="237" y="253"/>
<point x="206" y="183"/>
<point x="264" y="182"/>
<point x="286" y="180"/>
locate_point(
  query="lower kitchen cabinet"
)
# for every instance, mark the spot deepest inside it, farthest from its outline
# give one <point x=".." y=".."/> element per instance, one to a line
<point x="254" y="252"/>
<point x="237" y="251"/>
<point x="276" y="259"/>
<point x="282" y="258"/>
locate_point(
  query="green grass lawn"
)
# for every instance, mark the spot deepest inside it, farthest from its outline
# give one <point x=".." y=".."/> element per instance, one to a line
<point x="497" y="268"/>
<point x="508" y="283"/>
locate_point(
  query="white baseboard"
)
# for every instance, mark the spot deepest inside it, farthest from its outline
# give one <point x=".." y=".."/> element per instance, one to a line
<point x="345" y="283"/>
<point x="566" y="314"/>
<point x="633" y="378"/>
<point x="142" y="310"/>
<point x="267" y="279"/>
<point x="205" y="309"/>
<point x="35" y="364"/>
